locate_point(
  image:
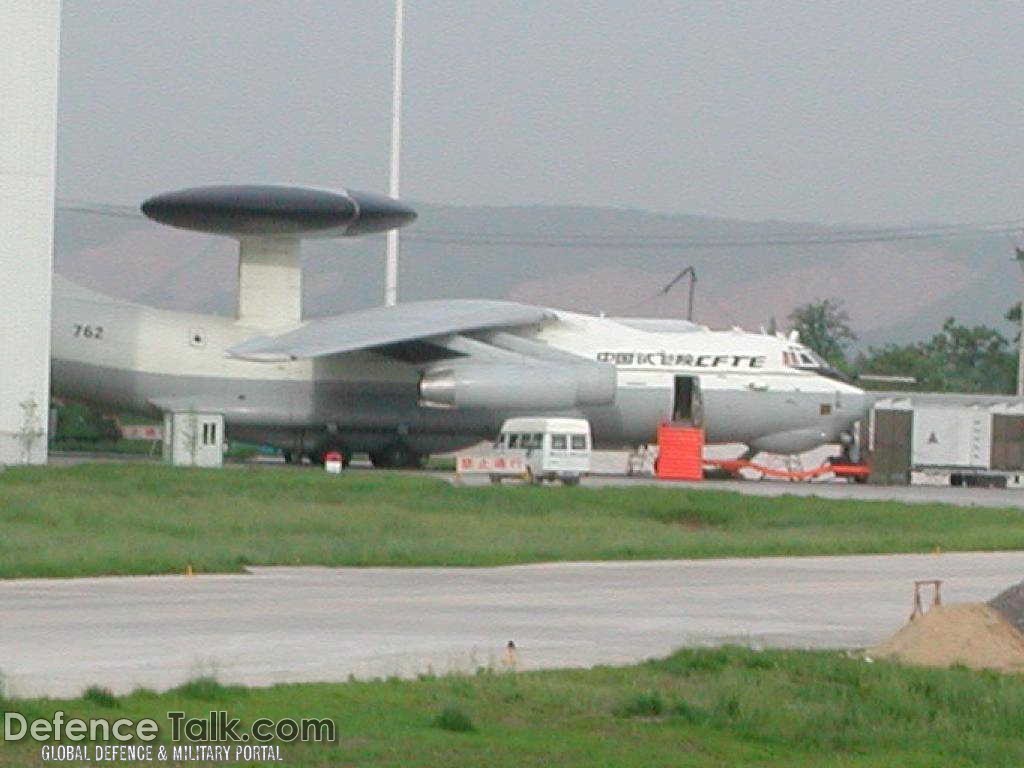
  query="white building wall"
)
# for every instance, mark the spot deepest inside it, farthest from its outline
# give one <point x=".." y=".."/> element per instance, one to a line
<point x="29" y="52"/>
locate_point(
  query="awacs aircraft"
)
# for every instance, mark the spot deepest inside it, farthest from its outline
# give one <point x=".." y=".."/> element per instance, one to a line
<point x="422" y="377"/>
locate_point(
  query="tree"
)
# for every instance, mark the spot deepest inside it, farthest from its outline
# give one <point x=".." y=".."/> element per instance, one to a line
<point x="824" y="326"/>
<point x="1013" y="315"/>
<point x="957" y="359"/>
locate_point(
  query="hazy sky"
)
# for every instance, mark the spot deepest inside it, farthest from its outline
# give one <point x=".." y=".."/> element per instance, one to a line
<point x="868" y="111"/>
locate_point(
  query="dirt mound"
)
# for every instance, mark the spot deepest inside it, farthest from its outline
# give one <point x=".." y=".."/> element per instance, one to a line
<point x="1010" y="603"/>
<point x="973" y="634"/>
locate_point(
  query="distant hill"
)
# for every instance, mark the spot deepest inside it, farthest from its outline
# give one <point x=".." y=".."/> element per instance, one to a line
<point x="893" y="291"/>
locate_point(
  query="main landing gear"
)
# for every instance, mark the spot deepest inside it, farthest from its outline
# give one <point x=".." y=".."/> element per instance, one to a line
<point x="317" y="455"/>
<point x="396" y="456"/>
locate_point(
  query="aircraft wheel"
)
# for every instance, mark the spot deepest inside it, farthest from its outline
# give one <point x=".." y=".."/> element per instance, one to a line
<point x="396" y="456"/>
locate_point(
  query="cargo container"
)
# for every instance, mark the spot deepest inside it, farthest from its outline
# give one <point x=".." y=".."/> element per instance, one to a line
<point x="931" y="439"/>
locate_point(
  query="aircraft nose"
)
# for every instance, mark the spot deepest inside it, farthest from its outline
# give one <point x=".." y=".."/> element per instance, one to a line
<point x="378" y="213"/>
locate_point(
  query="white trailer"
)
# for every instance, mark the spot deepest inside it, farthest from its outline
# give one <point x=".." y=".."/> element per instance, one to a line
<point x="952" y="437"/>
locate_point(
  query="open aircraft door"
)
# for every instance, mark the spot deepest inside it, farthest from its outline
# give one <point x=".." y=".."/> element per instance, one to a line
<point x="687" y="405"/>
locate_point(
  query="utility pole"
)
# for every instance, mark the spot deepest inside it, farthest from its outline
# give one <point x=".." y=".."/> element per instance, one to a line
<point x="1019" y="252"/>
<point x="391" y="267"/>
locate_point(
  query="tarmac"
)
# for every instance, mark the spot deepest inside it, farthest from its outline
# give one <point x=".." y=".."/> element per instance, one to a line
<point x="910" y="494"/>
<point x="320" y="624"/>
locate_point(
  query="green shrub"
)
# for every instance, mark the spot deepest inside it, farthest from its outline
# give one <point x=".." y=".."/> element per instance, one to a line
<point x="647" y="704"/>
<point x="452" y="718"/>
<point x="691" y="713"/>
<point x="102" y="697"/>
<point x="205" y="688"/>
<point x="78" y="422"/>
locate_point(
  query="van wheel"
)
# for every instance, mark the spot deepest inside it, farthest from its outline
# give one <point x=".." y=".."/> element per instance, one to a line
<point x="571" y="480"/>
<point x="495" y="479"/>
<point x="533" y="479"/>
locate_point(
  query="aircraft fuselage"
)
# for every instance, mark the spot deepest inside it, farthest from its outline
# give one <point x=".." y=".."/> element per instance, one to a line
<point x="745" y="386"/>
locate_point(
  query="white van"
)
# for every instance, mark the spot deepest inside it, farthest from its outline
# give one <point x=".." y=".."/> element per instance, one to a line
<point x="555" y="449"/>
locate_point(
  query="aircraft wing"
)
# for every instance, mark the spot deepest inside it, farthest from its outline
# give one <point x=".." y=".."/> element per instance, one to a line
<point x="385" y="326"/>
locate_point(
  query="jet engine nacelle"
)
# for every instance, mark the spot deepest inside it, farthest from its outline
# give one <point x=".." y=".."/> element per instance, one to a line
<point x="540" y="386"/>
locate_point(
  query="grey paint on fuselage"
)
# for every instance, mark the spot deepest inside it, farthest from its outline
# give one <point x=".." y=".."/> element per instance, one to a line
<point x="126" y="356"/>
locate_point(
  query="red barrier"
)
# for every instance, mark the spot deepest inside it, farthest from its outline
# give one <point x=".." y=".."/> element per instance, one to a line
<point x="733" y="466"/>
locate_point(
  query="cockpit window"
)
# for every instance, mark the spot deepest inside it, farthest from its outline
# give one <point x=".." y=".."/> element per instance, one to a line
<point x="802" y="357"/>
<point x="805" y="359"/>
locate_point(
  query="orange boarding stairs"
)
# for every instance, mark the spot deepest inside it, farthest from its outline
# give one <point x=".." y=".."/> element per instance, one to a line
<point x="680" y="452"/>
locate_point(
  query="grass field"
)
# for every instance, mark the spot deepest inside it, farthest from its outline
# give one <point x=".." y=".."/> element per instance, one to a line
<point x="119" y="519"/>
<point x="239" y="451"/>
<point x="723" y="707"/>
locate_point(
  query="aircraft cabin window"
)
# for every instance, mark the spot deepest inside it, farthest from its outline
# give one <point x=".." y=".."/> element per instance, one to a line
<point x="558" y="442"/>
<point x="579" y="442"/>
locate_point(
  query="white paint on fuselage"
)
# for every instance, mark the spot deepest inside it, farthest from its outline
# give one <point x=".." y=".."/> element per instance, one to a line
<point x="590" y="337"/>
<point x="744" y="374"/>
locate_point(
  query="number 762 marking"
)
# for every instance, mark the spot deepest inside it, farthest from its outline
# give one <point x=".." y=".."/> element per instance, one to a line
<point x="88" y="331"/>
